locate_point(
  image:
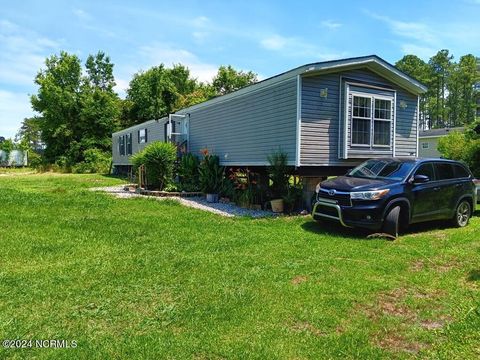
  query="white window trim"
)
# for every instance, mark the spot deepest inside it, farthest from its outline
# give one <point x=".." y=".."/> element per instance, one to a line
<point x="372" y="119"/>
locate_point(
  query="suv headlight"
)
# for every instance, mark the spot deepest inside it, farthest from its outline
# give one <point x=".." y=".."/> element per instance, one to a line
<point x="368" y="195"/>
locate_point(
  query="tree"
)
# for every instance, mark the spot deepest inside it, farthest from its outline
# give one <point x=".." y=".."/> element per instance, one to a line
<point x="77" y="112"/>
<point x="228" y="79"/>
<point x="30" y="133"/>
<point x="100" y="107"/>
<point x="58" y="102"/>
<point x="441" y="65"/>
<point x="152" y="94"/>
<point x="469" y="75"/>
<point x="415" y="67"/>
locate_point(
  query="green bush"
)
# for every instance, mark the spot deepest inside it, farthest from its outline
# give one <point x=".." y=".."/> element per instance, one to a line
<point x="211" y="174"/>
<point x="279" y="174"/>
<point x="188" y="173"/>
<point x="463" y="147"/>
<point x="95" y="161"/>
<point x="35" y="160"/>
<point x="159" y="161"/>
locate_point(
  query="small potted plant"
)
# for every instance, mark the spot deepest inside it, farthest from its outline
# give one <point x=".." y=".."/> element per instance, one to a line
<point x="211" y="176"/>
<point x="279" y="178"/>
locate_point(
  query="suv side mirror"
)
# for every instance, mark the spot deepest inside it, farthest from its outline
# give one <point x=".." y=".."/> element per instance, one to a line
<point x="420" y="179"/>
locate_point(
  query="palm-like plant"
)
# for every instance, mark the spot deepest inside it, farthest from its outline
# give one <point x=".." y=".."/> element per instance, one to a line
<point x="211" y="174"/>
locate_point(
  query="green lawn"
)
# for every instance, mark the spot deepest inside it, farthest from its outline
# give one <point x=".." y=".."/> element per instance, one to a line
<point x="140" y="278"/>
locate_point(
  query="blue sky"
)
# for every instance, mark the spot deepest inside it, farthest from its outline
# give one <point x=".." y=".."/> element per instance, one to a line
<point x="267" y="37"/>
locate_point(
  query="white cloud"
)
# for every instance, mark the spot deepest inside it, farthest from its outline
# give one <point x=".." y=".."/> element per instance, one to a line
<point x="82" y="14"/>
<point x="423" y="52"/>
<point x="156" y="54"/>
<point x="418" y="31"/>
<point x="297" y="47"/>
<point x="330" y="24"/>
<point x="14" y="107"/>
<point x="22" y="53"/>
<point x="200" y="21"/>
<point x="276" y="42"/>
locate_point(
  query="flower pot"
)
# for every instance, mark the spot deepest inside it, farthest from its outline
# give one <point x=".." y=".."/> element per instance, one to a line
<point x="212" y="198"/>
<point x="277" y="205"/>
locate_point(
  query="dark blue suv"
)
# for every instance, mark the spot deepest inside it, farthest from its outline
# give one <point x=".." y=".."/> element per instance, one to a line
<point x="388" y="193"/>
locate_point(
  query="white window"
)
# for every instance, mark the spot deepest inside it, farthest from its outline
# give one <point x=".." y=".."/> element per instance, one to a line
<point x="361" y="120"/>
<point x="425" y="145"/>
<point x="371" y="121"/>
<point x="382" y="122"/>
<point x="142" y="136"/>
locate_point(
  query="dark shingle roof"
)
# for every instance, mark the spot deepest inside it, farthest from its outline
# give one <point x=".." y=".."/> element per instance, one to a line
<point x="439" y="132"/>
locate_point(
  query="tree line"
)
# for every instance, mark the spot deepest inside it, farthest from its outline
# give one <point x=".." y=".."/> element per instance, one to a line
<point x="453" y="88"/>
<point x="78" y="108"/>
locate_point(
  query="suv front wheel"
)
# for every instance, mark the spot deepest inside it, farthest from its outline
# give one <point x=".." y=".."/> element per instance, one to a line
<point x="462" y="214"/>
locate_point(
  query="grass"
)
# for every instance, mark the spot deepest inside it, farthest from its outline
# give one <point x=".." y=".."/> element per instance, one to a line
<point x="139" y="278"/>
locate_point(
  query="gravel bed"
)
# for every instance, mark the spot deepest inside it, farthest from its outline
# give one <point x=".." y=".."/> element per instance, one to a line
<point x="223" y="209"/>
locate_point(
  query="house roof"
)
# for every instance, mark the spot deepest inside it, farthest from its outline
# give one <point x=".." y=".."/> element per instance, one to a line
<point x="439" y="132"/>
<point x="371" y="62"/>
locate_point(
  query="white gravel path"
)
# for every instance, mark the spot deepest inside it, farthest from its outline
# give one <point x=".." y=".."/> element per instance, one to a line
<point x="223" y="209"/>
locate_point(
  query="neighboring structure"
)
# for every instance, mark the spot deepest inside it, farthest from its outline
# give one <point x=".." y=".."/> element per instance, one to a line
<point x="15" y="158"/>
<point x="326" y="116"/>
<point x="428" y="141"/>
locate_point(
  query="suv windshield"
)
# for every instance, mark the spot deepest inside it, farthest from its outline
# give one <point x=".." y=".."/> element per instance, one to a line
<point x="382" y="169"/>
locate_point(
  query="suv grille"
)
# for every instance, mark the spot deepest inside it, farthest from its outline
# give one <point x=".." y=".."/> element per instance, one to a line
<point x="341" y="198"/>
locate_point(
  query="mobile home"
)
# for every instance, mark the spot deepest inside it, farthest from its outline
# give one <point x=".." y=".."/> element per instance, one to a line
<point x="327" y="116"/>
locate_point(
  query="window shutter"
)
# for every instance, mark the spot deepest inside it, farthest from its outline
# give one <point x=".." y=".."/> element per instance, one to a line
<point x="138" y="136"/>
<point x="146" y="136"/>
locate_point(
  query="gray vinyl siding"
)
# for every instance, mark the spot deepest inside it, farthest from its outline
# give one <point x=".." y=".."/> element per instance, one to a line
<point x="244" y="130"/>
<point x="155" y="132"/>
<point x="322" y="119"/>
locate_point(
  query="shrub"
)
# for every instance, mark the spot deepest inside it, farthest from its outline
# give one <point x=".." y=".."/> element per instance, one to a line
<point x="95" y="161"/>
<point x="453" y="146"/>
<point x="279" y="174"/>
<point x="463" y="147"/>
<point x="35" y="160"/>
<point x="211" y="174"/>
<point x="159" y="161"/>
<point x="188" y="173"/>
<point x="293" y="198"/>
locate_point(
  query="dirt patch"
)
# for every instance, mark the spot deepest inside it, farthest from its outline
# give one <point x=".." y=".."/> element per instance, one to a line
<point x="393" y="341"/>
<point x="299" y="279"/>
<point x="305" y="326"/>
<point x="390" y="304"/>
<point x="416" y="266"/>
<point x="432" y="325"/>
<point x="444" y="266"/>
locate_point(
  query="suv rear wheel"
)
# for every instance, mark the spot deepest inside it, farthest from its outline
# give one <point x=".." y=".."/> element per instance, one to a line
<point x="462" y="214"/>
<point x="391" y="223"/>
